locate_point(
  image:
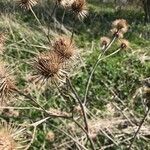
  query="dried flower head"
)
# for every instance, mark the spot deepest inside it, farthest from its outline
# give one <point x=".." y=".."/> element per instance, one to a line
<point x="65" y="3"/>
<point x="27" y="4"/>
<point x="120" y="24"/>
<point x="104" y="41"/>
<point x="119" y="27"/>
<point x="124" y="43"/>
<point x="79" y="8"/>
<point x="48" y="67"/>
<point x="64" y="48"/>
<point x="2" y="41"/>
<point x="11" y="137"/>
<point x="50" y="136"/>
<point x="7" y="84"/>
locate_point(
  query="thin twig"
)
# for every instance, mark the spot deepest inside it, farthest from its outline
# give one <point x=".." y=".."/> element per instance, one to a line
<point x="42" y="108"/>
<point x="39" y="22"/>
<point x="32" y="140"/>
<point x="62" y="19"/>
<point x="87" y="134"/>
<point x="82" y="146"/>
<point x="136" y="133"/>
<point x="63" y="94"/>
<point x="94" y="68"/>
<point x="73" y="31"/>
<point x="51" y="15"/>
<point x="80" y="103"/>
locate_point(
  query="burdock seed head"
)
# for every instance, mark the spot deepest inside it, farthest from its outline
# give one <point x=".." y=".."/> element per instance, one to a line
<point x="80" y="9"/>
<point x="11" y="137"/>
<point x="65" y="3"/>
<point x="119" y="27"/>
<point x="64" y="48"/>
<point x="104" y="41"/>
<point x="124" y="43"/>
<point x="48" y="67"/>
<point x="50" y="136"/>
<point x="27" y="4"/>
<point x="120" y="24"/>
<point x="7" y="84"/>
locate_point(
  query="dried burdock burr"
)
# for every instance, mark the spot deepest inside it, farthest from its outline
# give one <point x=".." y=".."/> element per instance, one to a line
<point x="7" y="84"/>
<point x="64" y="48"/>
<point x="48" y="68"/>
<point x="27" y="4"/>
<point x="11" y="137"/>
<point x="50" y="136"/>
<point x="124" y="43"/>
<point x="64" y="3"/>
<point x="119" y="27"/>
<point x="80" y="9"/>
<point x="104" y="42"/>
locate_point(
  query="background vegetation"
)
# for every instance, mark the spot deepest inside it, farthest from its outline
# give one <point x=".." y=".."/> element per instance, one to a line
<point x="116" y="82"/>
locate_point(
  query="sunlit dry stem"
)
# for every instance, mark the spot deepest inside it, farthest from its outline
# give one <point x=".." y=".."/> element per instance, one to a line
<point x="95" y="66"/>
<point x="80" y="103"/>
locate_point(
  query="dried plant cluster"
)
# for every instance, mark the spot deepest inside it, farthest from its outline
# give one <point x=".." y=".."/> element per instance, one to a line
<point x="78" y="7"/>
<point x="51" y="68"/>
<point x="119" y="28"/>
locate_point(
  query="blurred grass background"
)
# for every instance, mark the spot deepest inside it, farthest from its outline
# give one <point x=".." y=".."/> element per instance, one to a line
<point x="122" y="73"/>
